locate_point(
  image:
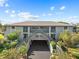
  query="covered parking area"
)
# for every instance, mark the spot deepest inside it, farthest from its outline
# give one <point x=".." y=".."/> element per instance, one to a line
<point x="39" y="48"/>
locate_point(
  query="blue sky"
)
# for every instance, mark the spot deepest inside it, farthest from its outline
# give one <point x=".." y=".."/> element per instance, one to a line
<point x="39" y="10"/>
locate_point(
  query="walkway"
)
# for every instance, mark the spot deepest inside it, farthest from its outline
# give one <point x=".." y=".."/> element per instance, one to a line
<point x="39" y="50"/>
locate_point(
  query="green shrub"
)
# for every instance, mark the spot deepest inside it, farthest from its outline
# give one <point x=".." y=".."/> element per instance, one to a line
<point x="75" y="39"/>
<point x="60" y="43"/>
<point x="75" y="52"/>
<point x="13" y="36"/>
<point x="53" y="44"/>
<point x="7" y="45"/>
<point x="13" y="44"/>
<point x="65" y="37"/>
<point x="10" y="54"/>
<point x="1" y="37"/>
<point x="22" y="50"/>
<point x="1" y="42"/>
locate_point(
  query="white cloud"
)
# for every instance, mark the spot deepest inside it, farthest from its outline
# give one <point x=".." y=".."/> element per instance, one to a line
<point x="6" y="11"/>
<point x="43" y="14"/>
<point x="10" y="11"/>
<point x="6" y="5"/>
<point x="2" y="3"/>
<point x="62" y="7"/>
<point x="13" y="11"/>
<point x="70" y="19"/>
<point x="52" y="8"/>
<point x="73" y="17"/>
<point x="49" y="14"/>
<point x="27" y="15"/>
<point x="12" y="15"/>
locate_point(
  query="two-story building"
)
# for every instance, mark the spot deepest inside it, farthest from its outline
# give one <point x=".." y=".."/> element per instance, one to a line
<point x="50" y="28"/>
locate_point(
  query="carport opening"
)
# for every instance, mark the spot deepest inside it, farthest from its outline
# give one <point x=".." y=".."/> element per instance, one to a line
<point x="39" y="45"/>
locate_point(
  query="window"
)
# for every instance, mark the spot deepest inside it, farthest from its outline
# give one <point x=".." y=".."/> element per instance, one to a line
<point x="25" y="35"/>
<point x="13" y="27"/>
<point x="34" y="27"/>
<point x="53" y="29"/>
<point x="44" y="29"/>
<point x="65" y="27"/>
<point x="74" y="29"/>
<point x="53" y="36"/>
<point x="25" y="29"/>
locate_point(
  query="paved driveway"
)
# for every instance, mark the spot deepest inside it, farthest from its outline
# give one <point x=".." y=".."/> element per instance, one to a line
<point x="39" y="50"/>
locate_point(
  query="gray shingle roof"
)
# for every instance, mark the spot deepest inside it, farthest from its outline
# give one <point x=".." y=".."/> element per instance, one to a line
<point x="40" y="23"/>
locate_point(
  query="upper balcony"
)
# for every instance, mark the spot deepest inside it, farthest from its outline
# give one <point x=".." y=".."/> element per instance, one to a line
<point x="39" y="30"/>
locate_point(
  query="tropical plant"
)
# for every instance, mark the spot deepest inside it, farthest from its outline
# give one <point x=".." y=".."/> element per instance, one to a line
<point x="60" y="43"/>
<point x="12" y="39"/>
<point x="13" y="36"/>
<point x="13" y="43"/>
<point x="10" y="54"/>
<point x="1" y="42"/>
<point x="75" y="39"/>
<point x="53" y="43"/>
<point x="1" y="37"/>
<point x="22" y="49"/>
<point x="65" y="37"/>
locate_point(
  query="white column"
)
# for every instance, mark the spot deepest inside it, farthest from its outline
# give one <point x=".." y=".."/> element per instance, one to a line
<point x="50" y="31"/>
<point x="28" y="31"/>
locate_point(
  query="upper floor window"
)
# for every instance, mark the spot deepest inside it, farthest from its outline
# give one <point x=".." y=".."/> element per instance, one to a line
<point x="25" y="36"/>
<point x="53" y="29"/>
<point x="65" y="27"/>
<point x="34" y="27"/>
<point x="13" y="27"/>
<point x="44" y="27"/>
<point x="25" y="29"/>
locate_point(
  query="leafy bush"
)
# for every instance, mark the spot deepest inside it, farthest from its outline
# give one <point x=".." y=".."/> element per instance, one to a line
<point x="10" y="54"/>
<point x="74" y="52"/>
<point x="66" y="37"/>
<point x="22" y="50"/>
<point x="69" y="39"/>
<point x="12" y="39"/>
<point x="60" y="43"/>
<point x="14" y="53"/>
<point x="53" y="43"/>
<point x="10" y="44"/>
<point x="6" y="45"/>
<point x="13" y="44"/>
<point x="1" y="37"/>
<point x="75" y="39"/>
<point x="13" y="36"/>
